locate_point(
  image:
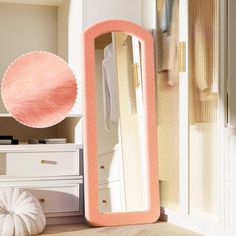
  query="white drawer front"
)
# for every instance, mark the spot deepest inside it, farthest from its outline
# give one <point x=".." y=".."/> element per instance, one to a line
<point x="111" y="199"/>
<point x="108" y="167"/>
<point x="29" y="164"/>
<point x="59" y="200"/>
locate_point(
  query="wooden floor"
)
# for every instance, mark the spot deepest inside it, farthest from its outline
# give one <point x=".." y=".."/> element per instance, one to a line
<point x="157" y="229"/>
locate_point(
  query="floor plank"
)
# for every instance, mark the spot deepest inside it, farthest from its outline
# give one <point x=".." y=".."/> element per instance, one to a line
<point x="160" y="229"/>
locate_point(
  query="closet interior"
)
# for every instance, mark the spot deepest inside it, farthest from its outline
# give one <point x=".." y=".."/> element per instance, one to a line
<point x="202" y="105"/>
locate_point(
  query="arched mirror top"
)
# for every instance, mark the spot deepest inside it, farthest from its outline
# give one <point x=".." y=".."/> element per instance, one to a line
<point x="118" y="26"/>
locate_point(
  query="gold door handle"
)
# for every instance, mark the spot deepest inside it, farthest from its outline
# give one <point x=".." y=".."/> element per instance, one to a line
<point x="135" y="75"/>
<point x="104" y="201"/>
<point x="182" y="56"/>
<point x="102" y="167"/>
<point x="42" y="200"/>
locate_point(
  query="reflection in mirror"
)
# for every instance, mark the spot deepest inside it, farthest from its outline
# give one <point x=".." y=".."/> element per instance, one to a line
<point x="120" y="124"/>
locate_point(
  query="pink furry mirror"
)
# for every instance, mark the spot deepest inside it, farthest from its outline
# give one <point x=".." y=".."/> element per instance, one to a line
<point x="39" y="89"/>
<point x="120" y="130"/>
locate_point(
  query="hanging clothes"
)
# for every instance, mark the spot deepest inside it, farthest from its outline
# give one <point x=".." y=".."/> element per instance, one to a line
<point x="202" y="28"/>
<point x="167" y="43"/>
<point x="166" y="14"/>
<point x="173" y="70"/>
<point x="110" y="88"/>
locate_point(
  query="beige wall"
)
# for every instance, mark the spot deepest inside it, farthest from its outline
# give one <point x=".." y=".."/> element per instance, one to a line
<point x="25" y="28"/>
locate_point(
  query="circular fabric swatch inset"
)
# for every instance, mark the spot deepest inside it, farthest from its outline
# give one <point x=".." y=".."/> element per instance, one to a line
<point x="39" y="89"/>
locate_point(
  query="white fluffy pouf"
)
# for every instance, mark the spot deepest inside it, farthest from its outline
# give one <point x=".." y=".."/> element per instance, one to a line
<point x="20" y="213"/>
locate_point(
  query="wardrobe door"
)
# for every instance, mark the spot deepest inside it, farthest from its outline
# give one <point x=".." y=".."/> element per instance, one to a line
<point x="203" y="107"/>
<point x="187" y="103"/>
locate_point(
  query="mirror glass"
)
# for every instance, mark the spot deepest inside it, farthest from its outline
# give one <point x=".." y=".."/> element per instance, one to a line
<point x="120" y="133"/>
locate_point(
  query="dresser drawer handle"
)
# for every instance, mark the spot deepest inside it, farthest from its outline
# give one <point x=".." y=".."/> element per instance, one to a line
<point x="48" y="162"/>
<point x="102" y="167"/>
<point x="42" y="200"/>
<point x="104" y="201"/>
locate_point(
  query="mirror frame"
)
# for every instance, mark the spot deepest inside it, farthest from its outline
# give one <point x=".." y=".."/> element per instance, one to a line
<point x="92" y="213"/>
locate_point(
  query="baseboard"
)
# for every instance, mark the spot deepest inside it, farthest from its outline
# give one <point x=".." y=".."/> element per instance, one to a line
<point x="65" y="220"/>
<point x="195" y="224"/>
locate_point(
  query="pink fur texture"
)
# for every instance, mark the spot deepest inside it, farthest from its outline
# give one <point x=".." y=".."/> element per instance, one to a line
<point x="39" y="89"/>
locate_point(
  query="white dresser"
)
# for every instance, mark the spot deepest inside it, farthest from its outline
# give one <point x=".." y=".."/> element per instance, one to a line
<point x="51" y="172"/>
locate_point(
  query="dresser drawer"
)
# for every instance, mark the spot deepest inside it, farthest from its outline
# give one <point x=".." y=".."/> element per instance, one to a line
<point x="111" y="199"/>
<point x="109" y="167"/>
<point x="59" y="200"/>
<point x="33" y="164"/>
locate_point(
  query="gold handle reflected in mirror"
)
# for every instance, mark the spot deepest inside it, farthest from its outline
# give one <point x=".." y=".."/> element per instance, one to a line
<point x="42" y="200"/>
<point x="104" y="201"/>
<point x="102" y="167"/>
<point x="135" y="75"/>
<point x="182" y="56"/>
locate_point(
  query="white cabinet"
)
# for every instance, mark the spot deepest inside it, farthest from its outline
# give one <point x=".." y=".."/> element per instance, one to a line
<point x="52" y="173"/>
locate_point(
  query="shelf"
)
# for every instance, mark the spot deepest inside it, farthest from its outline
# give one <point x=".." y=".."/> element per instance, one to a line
<point x="5" y="115"/>
<point x="75" y="115"/>
<point x="69" y="115"/>
<point x="36" y="2"/>
<point x="37" y="147"/>
<point x="6" y="179"/>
